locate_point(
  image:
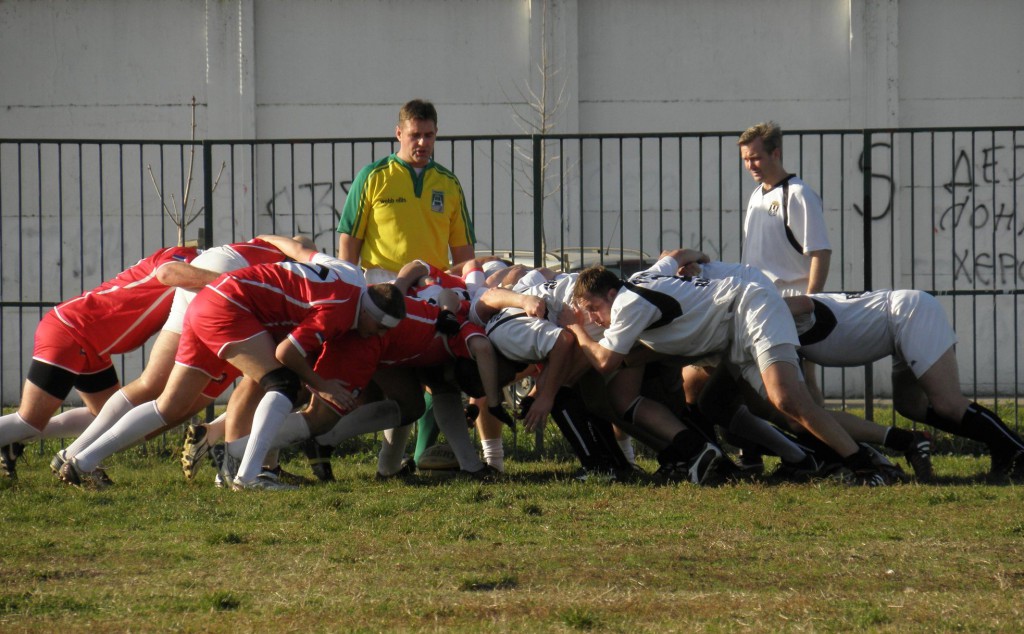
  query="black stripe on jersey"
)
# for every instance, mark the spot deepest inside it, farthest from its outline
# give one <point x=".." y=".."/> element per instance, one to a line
<point x="824" y="323"/>
<point x="507" y="318"/>
<point x="785" y="215"/>
<point x="318" y="270"/>
<point x="666" y="304"/>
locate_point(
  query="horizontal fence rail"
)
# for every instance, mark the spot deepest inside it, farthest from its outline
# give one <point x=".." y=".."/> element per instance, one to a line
<point x="930" y="209"/>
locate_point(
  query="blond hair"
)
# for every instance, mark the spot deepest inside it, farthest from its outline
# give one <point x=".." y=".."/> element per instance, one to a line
<point x="768" y="131"/>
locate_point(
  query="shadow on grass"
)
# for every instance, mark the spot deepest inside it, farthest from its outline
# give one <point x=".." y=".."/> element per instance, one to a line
<point x="973" y="480"/>
<point x="534" y="476"/>
<point x="558" y="474"/>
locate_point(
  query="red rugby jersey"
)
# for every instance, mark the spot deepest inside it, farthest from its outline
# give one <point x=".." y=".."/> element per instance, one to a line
<point x="308" y="302"/>
<point x="120" y="314"/>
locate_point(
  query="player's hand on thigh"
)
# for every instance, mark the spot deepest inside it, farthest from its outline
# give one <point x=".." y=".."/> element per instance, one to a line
<point x="335" y="392"/>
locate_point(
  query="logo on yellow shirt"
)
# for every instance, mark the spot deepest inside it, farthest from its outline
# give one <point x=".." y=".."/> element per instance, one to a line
<point x="437" y="201"/>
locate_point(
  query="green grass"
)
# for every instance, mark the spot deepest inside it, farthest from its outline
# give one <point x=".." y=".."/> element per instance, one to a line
<point x="538" y="552"/>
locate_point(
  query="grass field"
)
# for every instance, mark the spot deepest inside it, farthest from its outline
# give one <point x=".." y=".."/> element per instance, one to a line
<point x="538" y="552"/>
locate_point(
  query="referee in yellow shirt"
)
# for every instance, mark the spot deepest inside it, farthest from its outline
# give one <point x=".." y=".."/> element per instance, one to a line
<point x="405" y="206"/>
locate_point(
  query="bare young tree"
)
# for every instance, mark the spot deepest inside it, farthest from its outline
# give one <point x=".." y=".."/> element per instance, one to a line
<point x="189" y="211"/>
<point x="542" y="101"/>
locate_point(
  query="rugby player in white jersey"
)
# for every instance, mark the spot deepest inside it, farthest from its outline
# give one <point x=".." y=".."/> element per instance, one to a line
<point x="522" y="325"/>
<point x="839" y="330"/>
<point x="716" y="402"/>
<point x="749" y="325"/>
<point x="585" y="425"/>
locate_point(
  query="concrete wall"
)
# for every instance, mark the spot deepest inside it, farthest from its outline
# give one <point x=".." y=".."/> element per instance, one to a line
<point x="260" y="69"/>
<point x="315" y="68"/>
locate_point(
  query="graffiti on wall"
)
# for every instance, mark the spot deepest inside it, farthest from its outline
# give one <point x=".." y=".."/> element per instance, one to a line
<point x="968" y="195"/>
<point x="878" y="175"/>
<point x="981" y="221"/>
<point x="313" y="207"/>
<point x="973" y="211"/>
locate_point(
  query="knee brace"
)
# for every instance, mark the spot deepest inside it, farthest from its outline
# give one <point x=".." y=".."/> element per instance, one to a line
<point x="284" y="381"/>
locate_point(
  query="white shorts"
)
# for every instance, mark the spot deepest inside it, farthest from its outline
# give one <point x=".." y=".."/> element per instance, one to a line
<point x="521" y="337"/>
<point x="217" y="259"/>
<point x="792" y="289"/>
<point x="920" y="329"/>
<point x="761" y="322"/>
<point x="379" y="276"/>
<point x="529" y="279"/>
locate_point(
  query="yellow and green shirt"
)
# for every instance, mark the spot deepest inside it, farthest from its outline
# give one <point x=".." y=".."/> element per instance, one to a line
<point x="401" y="216"/>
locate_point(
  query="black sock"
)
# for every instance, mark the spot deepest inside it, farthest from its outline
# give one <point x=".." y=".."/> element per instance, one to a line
<point x="684" y="446"/>
<point x="992" y="430"/>
<point x="860" y="460"/>
<point x="590" y="436"/>
<point x="981" y="424"/>
<point x="898" y="439"/>
<point x="820" y="450"/>
<point x="697" y="420"/>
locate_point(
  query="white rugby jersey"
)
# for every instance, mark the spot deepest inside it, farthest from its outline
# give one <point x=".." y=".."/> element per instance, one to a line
<point x="745" y="272"/>
<point x="556" y="293"/>
<point x="781" y="227"/>
<point x="432" y="292"/>
<point x="848" y="329"/>
<point x="685" y="316"/>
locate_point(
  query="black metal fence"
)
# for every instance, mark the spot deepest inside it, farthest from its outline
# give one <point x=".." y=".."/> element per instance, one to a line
<point x="933" y="209"/>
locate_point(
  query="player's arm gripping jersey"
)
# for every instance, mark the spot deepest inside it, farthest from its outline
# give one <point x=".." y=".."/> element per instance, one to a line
<point x="402" y="216"/>
<point x="307" y="302"/>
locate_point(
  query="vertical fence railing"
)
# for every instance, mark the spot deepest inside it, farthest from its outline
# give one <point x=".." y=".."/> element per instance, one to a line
<point x="934" y="209"/>
<point x="866" y="202"/>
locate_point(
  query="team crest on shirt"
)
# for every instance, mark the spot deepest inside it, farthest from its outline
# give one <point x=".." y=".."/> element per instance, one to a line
<point x="437" y="201"/>
<point x="773" y="209"/>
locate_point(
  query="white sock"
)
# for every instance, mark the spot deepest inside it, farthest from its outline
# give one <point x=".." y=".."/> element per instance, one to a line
<point x="451" y="420"/>
<point x="267" y="419"/>
<point x="626" y="444"/>
<point x="68" y="424"/>
<point x="237" y="447"/>
<point x="233" y="452"/>
<point x="293" y="430"/>
<point x="365" y="419"/>
<point x="746" y="425"/>
<point x="13" y="428"/>
<point x="215" y="429"/>
<point x="271" y="461"/>
<point x="494" y="453"/>
<point x="116" y="407"/>
<point x="392" y="449"/>
<point x="133" y="427"/>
